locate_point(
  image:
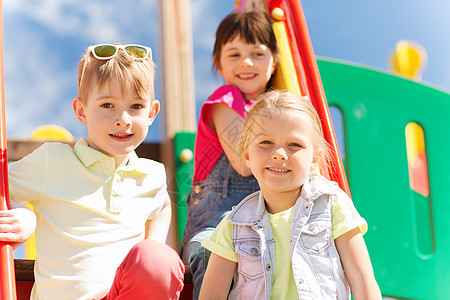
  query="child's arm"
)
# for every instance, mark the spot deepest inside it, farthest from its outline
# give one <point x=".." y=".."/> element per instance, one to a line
<point x="218" y="277"/>
<point x="228" y="125"/>
<point x="17" y="224"/>
<point x="357" y="266"/>
<point x="158" y="227"/>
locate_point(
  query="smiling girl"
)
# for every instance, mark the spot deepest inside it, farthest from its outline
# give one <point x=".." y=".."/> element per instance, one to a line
<point x="299" y="237"/>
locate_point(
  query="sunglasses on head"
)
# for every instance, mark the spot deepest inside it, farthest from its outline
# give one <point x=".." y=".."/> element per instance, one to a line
<point x="108" y="51"/>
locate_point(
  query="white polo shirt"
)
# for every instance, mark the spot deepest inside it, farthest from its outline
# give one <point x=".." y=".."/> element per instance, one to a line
<point x="89" y="215"/>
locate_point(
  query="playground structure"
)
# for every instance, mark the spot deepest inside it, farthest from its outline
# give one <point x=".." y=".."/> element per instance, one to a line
<point x="390" y="128"/>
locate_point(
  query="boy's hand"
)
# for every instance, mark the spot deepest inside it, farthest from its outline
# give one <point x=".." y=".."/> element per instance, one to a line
<point x="17" y="224"/>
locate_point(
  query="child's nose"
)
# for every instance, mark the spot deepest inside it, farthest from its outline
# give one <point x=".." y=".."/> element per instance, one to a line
<point x="123" y="119"/>
<point x="280" y="153"/>
<point x="247" y="61"/>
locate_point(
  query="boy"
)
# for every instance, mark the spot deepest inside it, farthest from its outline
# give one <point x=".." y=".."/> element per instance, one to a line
<point x="97" y="201"/>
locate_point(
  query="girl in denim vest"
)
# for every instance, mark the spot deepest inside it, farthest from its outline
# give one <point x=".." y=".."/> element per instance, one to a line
<point x="244" y="54"/>
<point x="299" y="237"/>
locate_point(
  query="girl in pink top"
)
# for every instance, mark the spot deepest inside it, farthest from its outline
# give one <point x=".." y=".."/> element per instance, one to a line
<point x="245" y="54"/>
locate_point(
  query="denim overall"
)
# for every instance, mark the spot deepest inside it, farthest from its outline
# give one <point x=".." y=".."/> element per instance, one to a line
<point x="316" y="265"/>
<point x="209" y="202"/>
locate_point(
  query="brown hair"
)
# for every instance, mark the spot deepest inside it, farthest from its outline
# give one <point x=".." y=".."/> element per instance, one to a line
<point x="120" y="69"/>
<point x="276" y="102"/>
<point x="251" y="26"/>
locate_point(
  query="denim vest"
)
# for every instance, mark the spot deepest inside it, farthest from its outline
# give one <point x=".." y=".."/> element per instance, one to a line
<point x="210" y="200"/>
<point x="316" y="265"/>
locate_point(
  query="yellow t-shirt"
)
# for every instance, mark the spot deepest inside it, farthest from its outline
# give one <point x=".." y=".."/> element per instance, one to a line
<point x="89" y="215"/>
<point x="284" y="283"/>
<point x="345" y="218"/>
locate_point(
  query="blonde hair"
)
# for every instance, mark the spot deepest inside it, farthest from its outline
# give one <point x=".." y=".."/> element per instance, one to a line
<point x="120" y="69"/>
<point x="275" y="102"/>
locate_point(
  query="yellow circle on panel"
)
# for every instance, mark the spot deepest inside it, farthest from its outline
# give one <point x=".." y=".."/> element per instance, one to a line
<point x="409" y="59"/>
<point x="51" y="132"/>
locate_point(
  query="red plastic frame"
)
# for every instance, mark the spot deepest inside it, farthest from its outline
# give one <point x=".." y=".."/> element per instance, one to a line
<point x="7" y="276"/>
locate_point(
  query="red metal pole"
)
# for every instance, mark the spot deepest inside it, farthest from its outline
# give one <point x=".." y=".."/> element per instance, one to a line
<point x="315" y="88"/>
<point x="7" y="278"/>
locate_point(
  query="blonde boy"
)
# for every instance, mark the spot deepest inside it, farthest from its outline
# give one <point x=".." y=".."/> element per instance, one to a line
<point x="100" y="209"/>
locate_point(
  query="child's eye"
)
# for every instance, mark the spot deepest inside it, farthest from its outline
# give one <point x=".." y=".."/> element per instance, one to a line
<point x="107" y="105"/>
<point x="136" y="106"/>
<point x="233" y="55"/>
<point x="295" y="145"/>
<point x="266" y="142"/>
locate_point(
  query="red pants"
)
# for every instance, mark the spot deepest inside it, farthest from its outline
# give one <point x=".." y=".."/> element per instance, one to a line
<point x="151" y="270"/>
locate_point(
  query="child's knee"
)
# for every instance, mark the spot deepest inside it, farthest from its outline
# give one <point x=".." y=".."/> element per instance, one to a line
<point x="153" y="256"/>
<point x="151" y="268"/>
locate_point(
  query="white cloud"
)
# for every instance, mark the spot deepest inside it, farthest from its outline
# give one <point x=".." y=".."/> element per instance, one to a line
<point x="35" y="87"/>
<point x="92" y="20"/>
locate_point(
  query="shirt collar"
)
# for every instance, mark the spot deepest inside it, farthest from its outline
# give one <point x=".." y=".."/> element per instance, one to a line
<point x="88" y="156"/>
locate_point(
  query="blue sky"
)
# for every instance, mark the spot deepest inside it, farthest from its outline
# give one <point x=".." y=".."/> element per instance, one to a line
<point x="44" y="39"/>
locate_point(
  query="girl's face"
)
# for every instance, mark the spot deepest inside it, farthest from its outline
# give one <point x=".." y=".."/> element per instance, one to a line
<point x="246" y="66"/>
<point x="281" y="154"/>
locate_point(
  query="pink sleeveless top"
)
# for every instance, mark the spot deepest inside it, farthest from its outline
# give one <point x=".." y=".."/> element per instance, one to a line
<point x="207" y="146"/>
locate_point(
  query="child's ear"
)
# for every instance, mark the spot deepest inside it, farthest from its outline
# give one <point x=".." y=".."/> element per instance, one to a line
<point x="218" y="67"/>
<point x="274" y="67"/>
<point x="246" y="159"/>
<point x="78" y="108"/>
<point x="315" y="167"/>
<point x="154" y="110"/>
